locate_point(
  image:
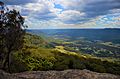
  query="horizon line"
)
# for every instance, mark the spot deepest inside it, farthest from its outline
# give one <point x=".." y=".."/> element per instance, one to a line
<point x="65" y="28"/>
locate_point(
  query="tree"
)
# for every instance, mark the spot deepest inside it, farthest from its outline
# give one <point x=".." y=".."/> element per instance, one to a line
<point x="11" y="35"/>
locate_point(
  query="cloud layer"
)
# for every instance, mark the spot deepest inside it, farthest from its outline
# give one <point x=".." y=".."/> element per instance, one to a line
<point x="68" y="13"/>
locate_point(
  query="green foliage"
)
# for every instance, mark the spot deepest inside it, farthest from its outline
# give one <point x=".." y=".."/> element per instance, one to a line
<point x="34" y="57"/>
<point x="97" y="67"/>
<point x="11" y="36"/>
<point x="32" y="60"/>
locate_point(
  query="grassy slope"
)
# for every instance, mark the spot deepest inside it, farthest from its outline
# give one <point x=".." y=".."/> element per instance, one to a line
<point x="37" y="54"/>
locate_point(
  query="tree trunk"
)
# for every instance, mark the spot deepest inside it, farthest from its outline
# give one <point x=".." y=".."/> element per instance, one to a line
<point x="6" y="62"/>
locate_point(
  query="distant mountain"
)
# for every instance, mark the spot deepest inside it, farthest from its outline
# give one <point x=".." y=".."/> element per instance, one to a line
<point x="107" y="34"/>
<point x="113" y="28"/>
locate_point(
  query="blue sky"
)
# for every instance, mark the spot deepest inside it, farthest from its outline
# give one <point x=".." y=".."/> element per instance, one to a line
<point x="65" y="14"/>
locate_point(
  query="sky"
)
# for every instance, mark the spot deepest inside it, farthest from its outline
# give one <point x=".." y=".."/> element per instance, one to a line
<point x="68" y="14"/>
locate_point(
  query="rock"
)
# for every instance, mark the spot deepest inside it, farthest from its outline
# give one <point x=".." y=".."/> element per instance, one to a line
<point x="4" y="75"/>
<point x="66" y="74"/>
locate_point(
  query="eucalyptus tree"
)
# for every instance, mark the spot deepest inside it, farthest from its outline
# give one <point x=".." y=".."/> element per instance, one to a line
<point x="12" y="31"/>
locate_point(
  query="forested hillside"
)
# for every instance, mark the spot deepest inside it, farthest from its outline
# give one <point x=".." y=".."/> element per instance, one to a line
<point x="38" y="54"/>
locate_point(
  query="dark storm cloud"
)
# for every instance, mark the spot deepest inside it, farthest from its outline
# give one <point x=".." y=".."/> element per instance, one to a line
<point x="100" y="7"/>
<point x="18" y="2"/>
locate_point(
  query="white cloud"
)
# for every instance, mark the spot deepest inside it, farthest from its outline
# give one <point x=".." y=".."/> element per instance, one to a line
<point x="113" y="11"/>
<point x="71" y="16"/>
